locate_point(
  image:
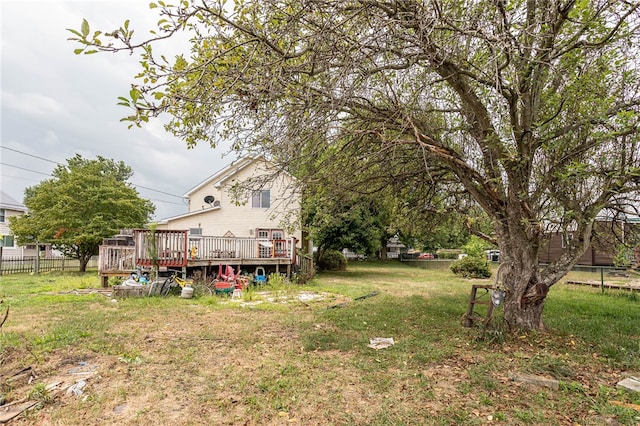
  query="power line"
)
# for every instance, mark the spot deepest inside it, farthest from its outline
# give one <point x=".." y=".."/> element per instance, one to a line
<point x="167" y="202"/>
<point x="157" y="190"/>
<point x="55" y="162"/>
<point x="31" y="155"/>
<point x="23" y="168"/>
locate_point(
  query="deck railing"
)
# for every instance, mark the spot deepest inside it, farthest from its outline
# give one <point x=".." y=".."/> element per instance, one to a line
<point x="116" y="258"/>
<point x="176" y="248"/>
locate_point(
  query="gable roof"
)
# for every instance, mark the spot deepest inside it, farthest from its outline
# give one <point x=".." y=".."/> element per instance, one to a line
<point x="10" y="203"/>
<point x="221" y="175"/>
<point x="189" y="214"/>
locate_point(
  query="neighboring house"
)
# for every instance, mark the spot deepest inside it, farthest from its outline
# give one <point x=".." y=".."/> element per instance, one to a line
<point x="263" y="213"/>
<point x="395" y="247"/>
<point x="9" y="207"/>
<point x="609" y="235"/>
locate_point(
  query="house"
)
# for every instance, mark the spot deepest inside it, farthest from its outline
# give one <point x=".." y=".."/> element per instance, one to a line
<point x="224" y="204"/>
<point x="395" y="247"/>
<point x="9" y="207"/>
<point x="608" y="236"/>
<point x="244" y="216"/>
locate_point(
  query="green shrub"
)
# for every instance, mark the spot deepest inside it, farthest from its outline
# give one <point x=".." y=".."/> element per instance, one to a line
<point x="332" y="260"/>
<point x="475" y="247"/>
<point x="451" y="254"/>
<point x="471" y="267"/>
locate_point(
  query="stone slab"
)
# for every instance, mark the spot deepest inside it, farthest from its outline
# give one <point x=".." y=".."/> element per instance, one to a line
<point x="535" y="380"/>
<point x="630" y="383"/>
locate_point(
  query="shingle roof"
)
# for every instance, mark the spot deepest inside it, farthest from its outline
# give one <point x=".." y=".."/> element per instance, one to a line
<point x="10" y="203"/>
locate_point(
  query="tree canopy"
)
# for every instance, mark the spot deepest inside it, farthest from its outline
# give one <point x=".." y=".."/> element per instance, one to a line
<point x="83" y="203"/>
<point x="527" y="109"/>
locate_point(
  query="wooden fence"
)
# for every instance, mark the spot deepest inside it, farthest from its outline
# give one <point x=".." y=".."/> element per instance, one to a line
<point x="305" y="267"/>
<point x="35" y="264"/>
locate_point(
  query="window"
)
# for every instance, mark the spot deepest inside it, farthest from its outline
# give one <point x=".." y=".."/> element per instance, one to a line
<point x="7" y="241"/>
<point x="2" y="215"/>
<point x="195" y="231"/>
<point x="271" y="234"/>
<point x="261" y="199"/>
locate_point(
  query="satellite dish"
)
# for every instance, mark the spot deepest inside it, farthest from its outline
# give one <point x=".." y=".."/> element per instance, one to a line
<point x="209" y="199"/>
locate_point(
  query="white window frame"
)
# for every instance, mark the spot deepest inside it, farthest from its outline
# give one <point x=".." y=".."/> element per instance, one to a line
<point x="261" y="199"/>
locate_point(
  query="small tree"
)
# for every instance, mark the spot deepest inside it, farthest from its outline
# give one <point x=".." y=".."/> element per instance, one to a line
<point x="85" y="202"/>
<point x="355" y="223"/>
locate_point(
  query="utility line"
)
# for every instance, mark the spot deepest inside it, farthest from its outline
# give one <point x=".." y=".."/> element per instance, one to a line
<point x="31" y="155"/>
<point x="23" y="168"/>
<point x="55" y="162"/>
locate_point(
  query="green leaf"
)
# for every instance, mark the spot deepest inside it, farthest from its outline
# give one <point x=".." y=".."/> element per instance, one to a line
<point x="77" y="51"/>
<point x="71" y="30"/>
<point x="85" y="28"/>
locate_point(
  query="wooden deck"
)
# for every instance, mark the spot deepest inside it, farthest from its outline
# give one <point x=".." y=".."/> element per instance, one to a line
<point x="175" y="249"/>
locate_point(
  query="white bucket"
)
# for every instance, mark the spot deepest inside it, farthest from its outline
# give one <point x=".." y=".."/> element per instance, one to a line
<point x="187" y="292"/>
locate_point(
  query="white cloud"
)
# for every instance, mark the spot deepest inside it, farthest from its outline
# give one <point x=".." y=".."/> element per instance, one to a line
<point x="34" y="104"/>
<point x="56" y="104"/>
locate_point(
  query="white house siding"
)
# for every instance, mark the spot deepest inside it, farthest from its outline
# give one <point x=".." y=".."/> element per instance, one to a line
<point x="11" y="207"/>
<point x="241" y="220"/>
<point x="14" y="251"/>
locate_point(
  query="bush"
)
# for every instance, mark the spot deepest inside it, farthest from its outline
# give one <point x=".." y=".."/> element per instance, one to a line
<point x="475" y="247"/>
<point x="471" y="267"/>
<point x="332" y="260"/>
<point x="451" y="254"/>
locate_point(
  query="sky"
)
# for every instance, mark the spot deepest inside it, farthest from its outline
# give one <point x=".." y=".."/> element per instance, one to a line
<point x="56" y="104"/>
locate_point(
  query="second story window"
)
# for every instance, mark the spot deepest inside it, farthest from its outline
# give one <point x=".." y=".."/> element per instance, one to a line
<point x="261" y="199"/>
<point x="2" y="216"/>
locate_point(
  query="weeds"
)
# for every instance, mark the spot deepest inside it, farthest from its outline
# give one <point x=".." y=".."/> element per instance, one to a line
<point x="41" y="395"/>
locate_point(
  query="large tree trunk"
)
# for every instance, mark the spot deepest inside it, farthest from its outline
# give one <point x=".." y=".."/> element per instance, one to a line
<point x="519" y="275"/>
<point x="525" y="296"/>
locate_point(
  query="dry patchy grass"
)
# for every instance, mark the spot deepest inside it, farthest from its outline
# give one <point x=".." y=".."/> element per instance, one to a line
<point x="192" y="362"/>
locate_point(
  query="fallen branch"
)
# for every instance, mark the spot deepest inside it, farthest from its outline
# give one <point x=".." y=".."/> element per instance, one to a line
<point x="341" y="305"/>
<point x="366" y="296"/>
<point x="6" y="315"/>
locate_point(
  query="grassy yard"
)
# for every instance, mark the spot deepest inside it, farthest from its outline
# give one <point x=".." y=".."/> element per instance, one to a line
<point x="299" y="355"/>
